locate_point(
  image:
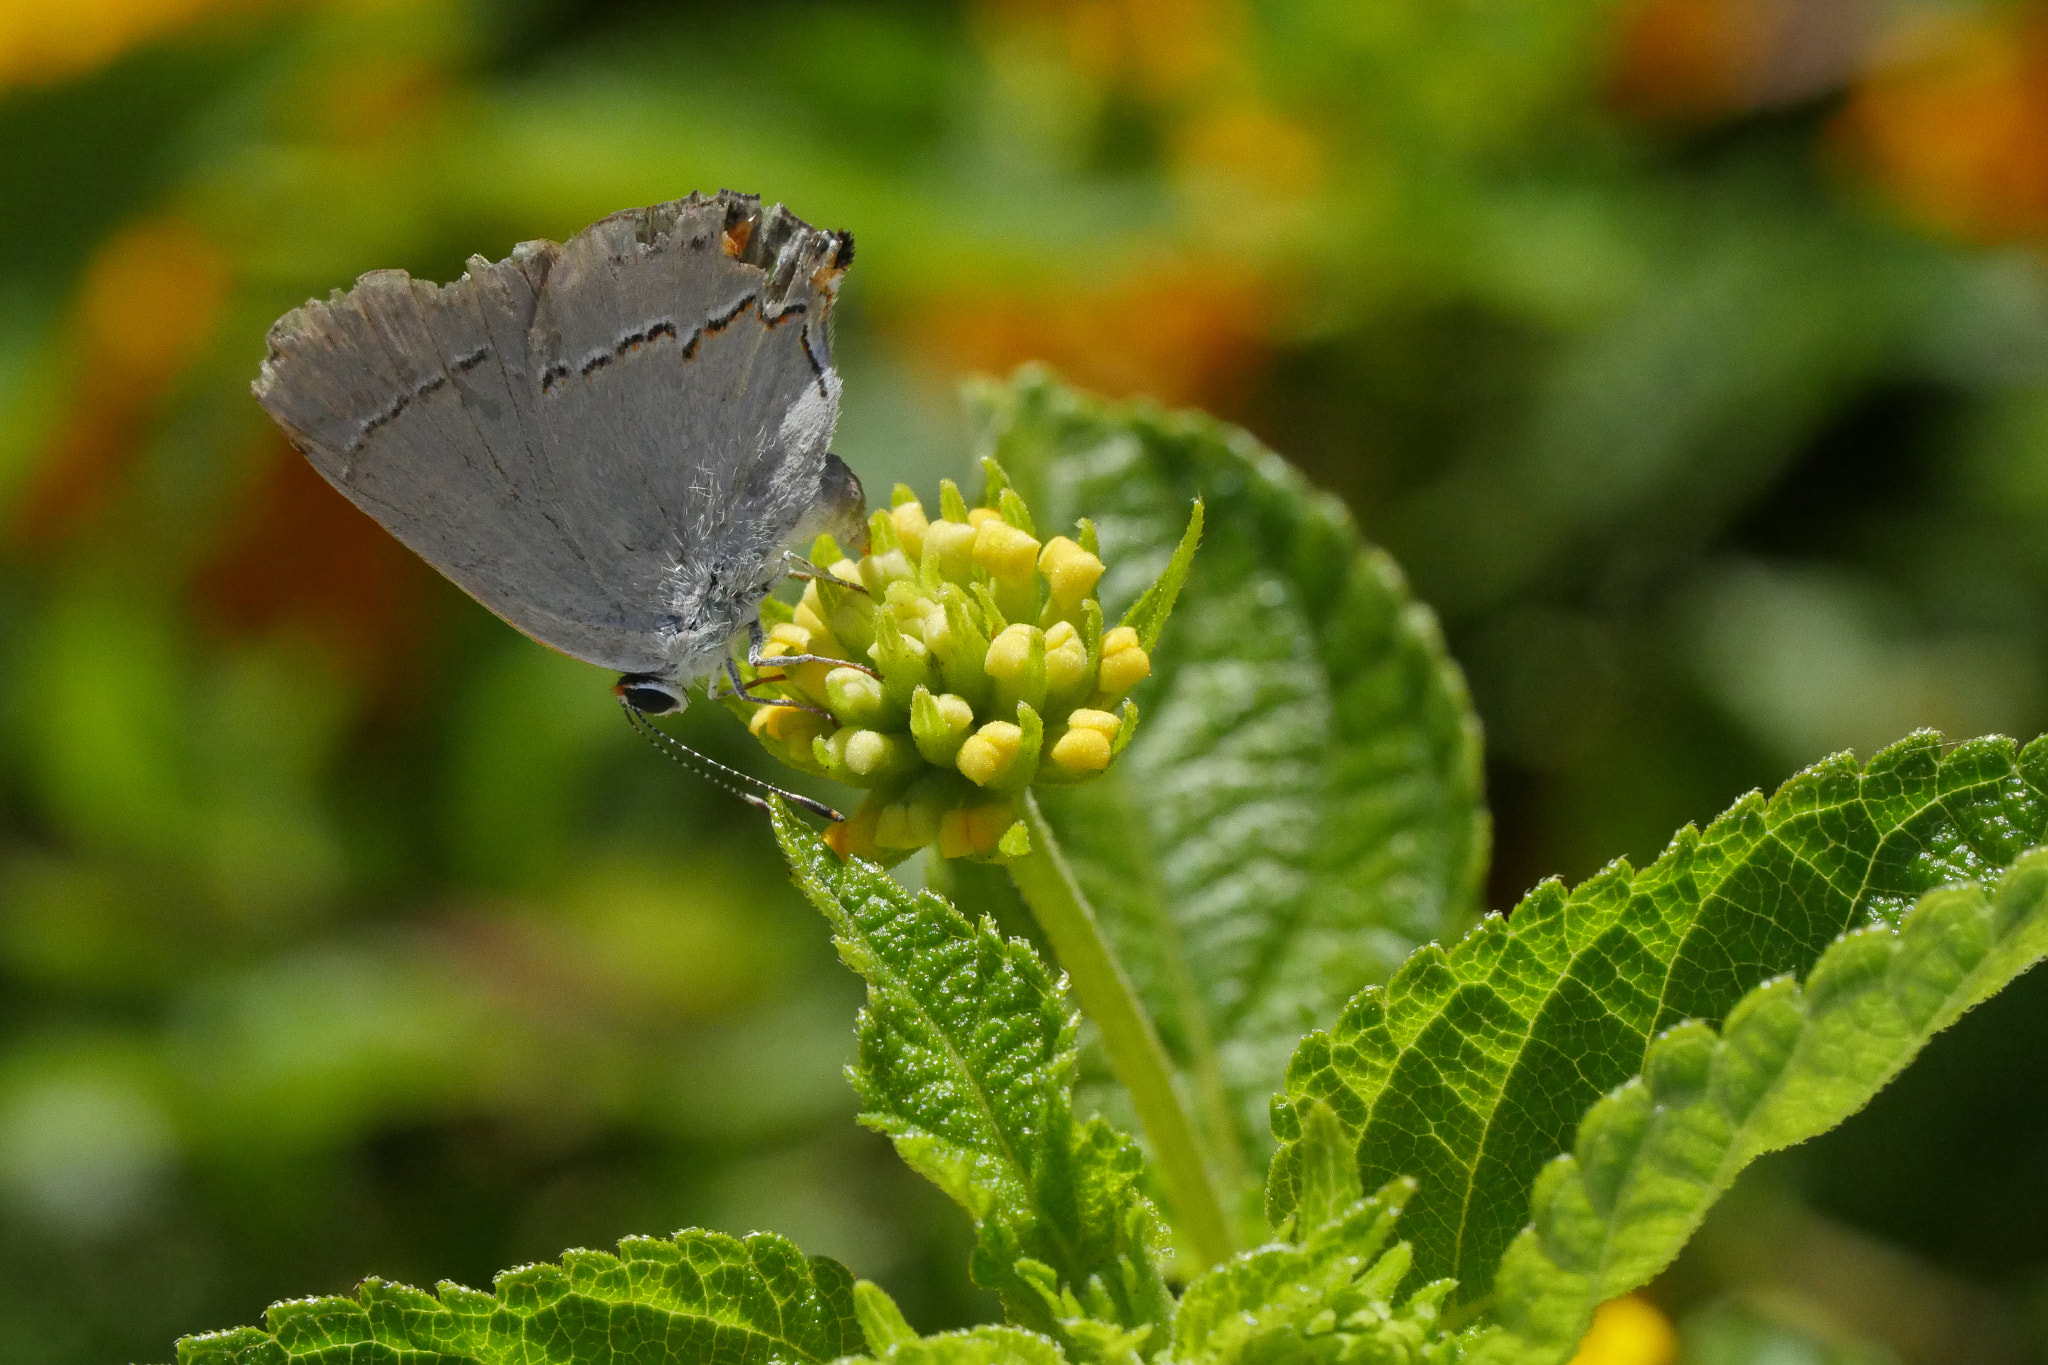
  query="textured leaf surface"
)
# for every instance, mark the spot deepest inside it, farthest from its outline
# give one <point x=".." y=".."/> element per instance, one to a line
<point x="1331" y="1297"/>
<point x="978" y="1346"/>
<point x="967" y="1063"/>
<point x="1302" y="804"/>
<point x="697" y="1297"/>
<point x="1792" y="1061"/>
<point x="1470" y="1069"/>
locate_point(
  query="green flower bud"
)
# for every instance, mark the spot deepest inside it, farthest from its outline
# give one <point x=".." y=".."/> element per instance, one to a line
<point x="886" y="561"/>
<point x="939" y="724"/>
<point x="856" y="698"/>
<point x="865" y="758"/>
<point x="904" y="661"/>
<point x="908" y="514"/>
<point x="1016" y="663"/>
<point x="964" y="654"/>
<point x="948" y="553"/>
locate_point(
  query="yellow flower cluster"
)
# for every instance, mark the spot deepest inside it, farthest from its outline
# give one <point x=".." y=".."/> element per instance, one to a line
<point x="977" y="665"/>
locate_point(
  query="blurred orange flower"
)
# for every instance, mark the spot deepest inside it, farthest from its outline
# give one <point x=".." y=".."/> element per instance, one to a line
<point x="1162" y="49"/>
<point x="1959" y="132"/>
<point x="150" y="301"/>
<point x="1687" y="58"/>
<point x="46" y="42"/>
<point x="301" y="559"/>
<point x="1183" y="330"/>
<point x="1697" y="59"/>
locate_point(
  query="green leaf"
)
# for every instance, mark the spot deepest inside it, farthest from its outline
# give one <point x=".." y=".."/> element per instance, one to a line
<point x="1470" y="1069"/>
<point x="978" y="1346"/>
<point x="1303" y="803"/>
<point x="891" y="1340"/>
<point x="1149" y="614"/>
<point x="966" y="1062"/>
<point x="1791" y="1062"/>
<point x="697" y="1297"/>
<point x="1331" y="1297"/>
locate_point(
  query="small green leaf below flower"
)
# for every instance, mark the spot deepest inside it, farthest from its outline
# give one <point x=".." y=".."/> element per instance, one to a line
<point x="966" y="1062"/>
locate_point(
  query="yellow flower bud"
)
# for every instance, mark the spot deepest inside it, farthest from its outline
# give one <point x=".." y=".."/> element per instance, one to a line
<point x="1070" y="572"/>
<point x="1066" y="661"/>
<point x="1100" y="722"/>
<point x="1124" y="663"/>
<point x="1005" y="551"/>
<point x="1015" y="661"/>
<point x="1088" y="744"/>
<point x="990" y="752"/>
<point x="855" y="838"/>
<point x="1081" y="751"/>
<point x="973" y="831"/>
<point x="952" y="544"/>
<point x="810" y="616"/>
<point x="789" y="638"/>
<point x="1009" y="654"/>
<point x="787" y="724"/>
<point x="977" y="515"/>
<point x="910" y="525"/>
<point x="907" y="824"/>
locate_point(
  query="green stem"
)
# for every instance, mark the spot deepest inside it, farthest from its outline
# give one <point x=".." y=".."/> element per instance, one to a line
<point x="1048" y="887"/>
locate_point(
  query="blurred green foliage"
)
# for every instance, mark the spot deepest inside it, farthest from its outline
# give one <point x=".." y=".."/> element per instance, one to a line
<point x="1692" y="355"/>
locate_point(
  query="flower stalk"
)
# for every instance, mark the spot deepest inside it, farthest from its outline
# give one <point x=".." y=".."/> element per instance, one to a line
<point x="978" y="666"/>
<point x="1139" y="1059"/>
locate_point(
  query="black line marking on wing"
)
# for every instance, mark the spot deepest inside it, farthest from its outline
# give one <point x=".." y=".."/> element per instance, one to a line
<point x="804" y="339"/>
<point x="724" y="320"/>
<point x="661" y="329"/>
<point x="374" y="423"/>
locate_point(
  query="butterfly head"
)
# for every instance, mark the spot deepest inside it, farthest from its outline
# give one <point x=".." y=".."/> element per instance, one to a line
<point x="649" y="695"/>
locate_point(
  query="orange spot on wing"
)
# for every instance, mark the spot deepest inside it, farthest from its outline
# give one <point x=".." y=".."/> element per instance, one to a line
<point x="736" y="237"/>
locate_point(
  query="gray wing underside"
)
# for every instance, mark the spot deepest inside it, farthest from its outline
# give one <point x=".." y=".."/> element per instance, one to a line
<point x="581" y="434"/>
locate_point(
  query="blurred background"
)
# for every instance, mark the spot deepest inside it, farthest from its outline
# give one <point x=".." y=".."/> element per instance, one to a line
<point x="1691" y="354"/>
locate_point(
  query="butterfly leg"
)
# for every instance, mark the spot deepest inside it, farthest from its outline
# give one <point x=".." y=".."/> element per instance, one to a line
<point x="803" y="568"/>
<point x="756" y="640"/>
<point x="739" y="690"/>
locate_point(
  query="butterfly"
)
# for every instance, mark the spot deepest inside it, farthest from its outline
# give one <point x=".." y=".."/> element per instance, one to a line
<point x="614" y="442"/>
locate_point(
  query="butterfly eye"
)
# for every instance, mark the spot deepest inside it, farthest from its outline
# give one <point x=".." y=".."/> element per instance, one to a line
<point x="648" y="696"/>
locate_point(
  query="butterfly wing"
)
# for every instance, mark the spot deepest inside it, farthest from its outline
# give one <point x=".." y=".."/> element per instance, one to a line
<point x="687" y="344"/>
<point x="540" y="431"/>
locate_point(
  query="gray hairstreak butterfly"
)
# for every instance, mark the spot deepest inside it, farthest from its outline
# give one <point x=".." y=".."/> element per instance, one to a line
<point x="614" y="443"/>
